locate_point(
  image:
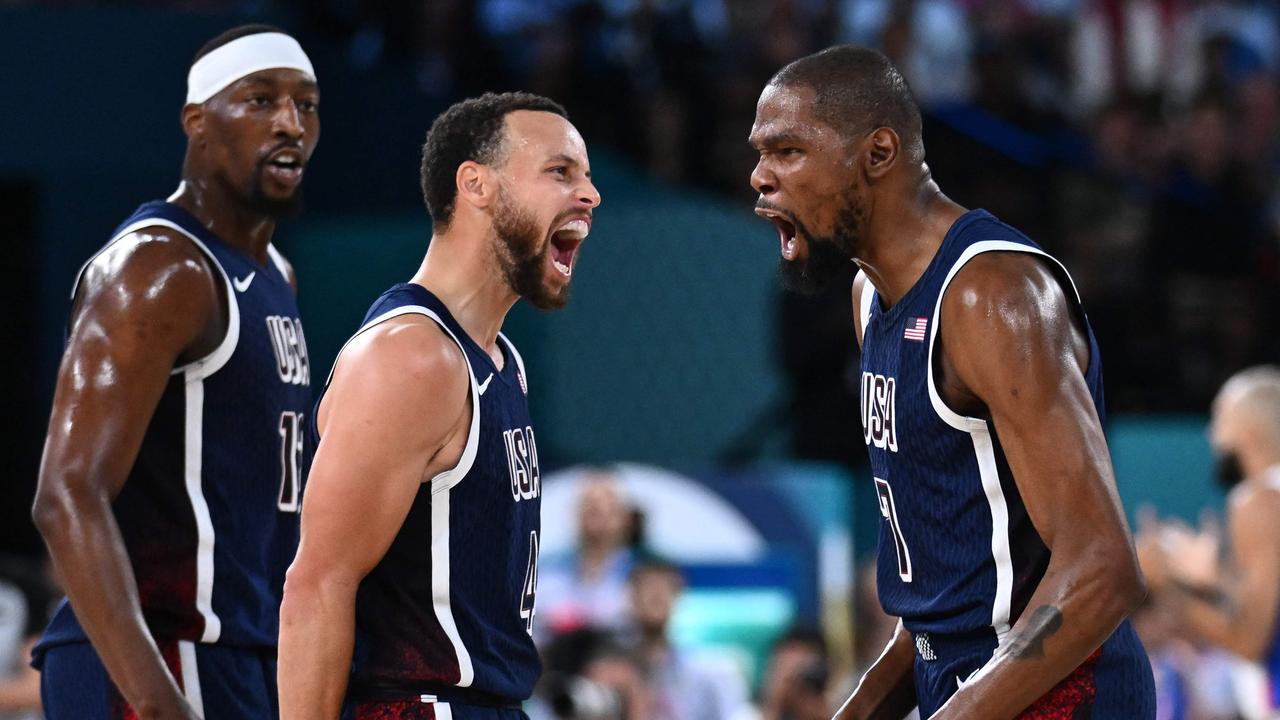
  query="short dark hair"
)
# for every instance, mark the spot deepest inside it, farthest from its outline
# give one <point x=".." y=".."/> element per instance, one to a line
<point x="234" y="33"/>
<point x="469" y="130"/>
<point x="858" y="90"/>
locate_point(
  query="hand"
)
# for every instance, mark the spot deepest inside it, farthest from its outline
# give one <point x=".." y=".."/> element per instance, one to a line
<point x="1193" y="555"/>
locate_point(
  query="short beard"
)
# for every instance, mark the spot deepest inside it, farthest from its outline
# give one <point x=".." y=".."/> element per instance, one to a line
<point x="829" y="258"/>
<point x="274" y="208"/>
<point x="523" y="264"/>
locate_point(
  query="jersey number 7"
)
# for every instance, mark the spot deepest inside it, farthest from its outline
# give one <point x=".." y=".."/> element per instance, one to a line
<point x="890" y="514"/>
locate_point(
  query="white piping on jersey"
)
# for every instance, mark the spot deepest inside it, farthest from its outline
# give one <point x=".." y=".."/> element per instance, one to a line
<point x="440" y="583"/>
<point x="454" y="475"/>
<point x="515" y="354"/>
<point x="278" y="260"/>
<point x="441" y="484"/>
<point x="864" y="303"/>
<point x="211" y="363"/>
<point x="443" y="711"/>
<point x="189" y="670"/>
<point x="983" y="448"/>
<point x="192" y="472"/>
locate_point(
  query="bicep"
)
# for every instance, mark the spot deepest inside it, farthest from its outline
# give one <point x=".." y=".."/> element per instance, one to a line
<point x="384" y="425"/>
<point x="1018" y="357"/>
<point x="131" y="327"/>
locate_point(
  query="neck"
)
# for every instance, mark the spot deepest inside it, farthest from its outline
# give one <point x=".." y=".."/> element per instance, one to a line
<point x="905" y="232"/>
<point x="459" y="268"/>
<point x="224" y="214"/>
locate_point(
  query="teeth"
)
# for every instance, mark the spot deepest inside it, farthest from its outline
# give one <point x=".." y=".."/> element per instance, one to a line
<point x="576" y="229"/>
<point x="564" y="269"/>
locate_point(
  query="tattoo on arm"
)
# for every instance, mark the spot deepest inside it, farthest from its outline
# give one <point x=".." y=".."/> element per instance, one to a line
<point x="1045" y="621"/>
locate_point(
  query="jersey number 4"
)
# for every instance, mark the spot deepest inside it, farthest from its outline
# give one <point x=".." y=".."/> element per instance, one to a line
<point x="291" y="428"/>
<point x="530" y="593"/>
<point x="890" y="514"/>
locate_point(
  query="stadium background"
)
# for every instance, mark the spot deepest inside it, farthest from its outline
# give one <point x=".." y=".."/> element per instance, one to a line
<point x="1137" y="140"/>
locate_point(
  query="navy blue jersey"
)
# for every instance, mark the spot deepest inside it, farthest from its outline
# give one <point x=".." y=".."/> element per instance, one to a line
<point x="451" y="604"/>
<point x="209" y="513"/>
<point x="958" y="552"/>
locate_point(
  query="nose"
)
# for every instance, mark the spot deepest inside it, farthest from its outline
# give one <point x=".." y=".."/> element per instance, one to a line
<point x="588" y="196"/>
<point x="287" y="122"/>
<point x="762" y="179"/>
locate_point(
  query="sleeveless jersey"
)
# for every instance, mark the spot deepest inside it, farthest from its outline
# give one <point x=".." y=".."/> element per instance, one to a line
<point x="958" y="552"/>
<point x="451" y="604"/>
<point x="209" y="513"/>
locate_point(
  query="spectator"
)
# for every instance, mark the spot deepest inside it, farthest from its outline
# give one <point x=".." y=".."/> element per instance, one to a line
<point x="795" y="682"/>
<point x="589" y="587"/>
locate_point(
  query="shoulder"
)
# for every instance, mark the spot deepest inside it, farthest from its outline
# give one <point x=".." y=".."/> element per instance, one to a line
<point x="149" y="266"/>
<point x="1255" y="504"/>
<point x="997" y="278"/>
<point x="411" y="352"/>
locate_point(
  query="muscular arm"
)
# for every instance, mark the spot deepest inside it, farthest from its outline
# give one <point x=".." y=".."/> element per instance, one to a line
<point x="144" y="303"/>
<point x="887" y="691"/>
<point x="398" y="400"/>
<point x="1011" y="345"/>
<point x="1244" y="624"/>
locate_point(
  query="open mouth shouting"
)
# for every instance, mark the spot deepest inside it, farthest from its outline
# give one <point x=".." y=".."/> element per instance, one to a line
<point x="787" y="233"/>
<point x="565" y="241"/>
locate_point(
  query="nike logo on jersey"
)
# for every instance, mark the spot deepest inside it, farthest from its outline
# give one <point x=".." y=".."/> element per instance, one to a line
<point x="243" y="283"/>
<point x="485" y="385"/>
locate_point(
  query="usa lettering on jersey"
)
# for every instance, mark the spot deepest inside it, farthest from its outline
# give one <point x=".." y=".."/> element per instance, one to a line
<point x="522" y="463"/>
<point x="879" y="416"/>
<point x="290" y="348"/>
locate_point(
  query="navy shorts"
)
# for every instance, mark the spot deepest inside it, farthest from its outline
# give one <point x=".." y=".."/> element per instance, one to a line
<point x="1115" y="683"/>
<point x="219" y="682"/>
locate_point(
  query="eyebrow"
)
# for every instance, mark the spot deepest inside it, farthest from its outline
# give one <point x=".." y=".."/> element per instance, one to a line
<point x="775" y="139"/>
<point x="561" y="157"/>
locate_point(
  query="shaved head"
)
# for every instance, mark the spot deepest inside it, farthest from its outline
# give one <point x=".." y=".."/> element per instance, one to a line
<point x="856" y="91"/>
<point x="1252" y="398"/>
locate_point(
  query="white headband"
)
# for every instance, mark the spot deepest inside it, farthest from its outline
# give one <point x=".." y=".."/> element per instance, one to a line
<point x="241" y="57"/>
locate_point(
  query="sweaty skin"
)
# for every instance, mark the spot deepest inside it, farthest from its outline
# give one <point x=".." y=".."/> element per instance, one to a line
<point x="149" y="303"/>
<point x="1011" y="350"/>
<point x="398" y="409"/>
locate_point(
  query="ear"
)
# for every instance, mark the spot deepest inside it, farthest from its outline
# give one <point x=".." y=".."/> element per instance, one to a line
<point x="883" y="149"/>
<point x="193" y="121"/>
<point x="476" y="184"/>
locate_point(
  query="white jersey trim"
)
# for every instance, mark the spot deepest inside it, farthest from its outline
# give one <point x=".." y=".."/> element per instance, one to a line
<point x="190" y="679"/>
<point x="980" y="434"/>
<point x="211" y="363"/>
<point x="454" y="475"/>
<point x="441" y="484"/>
<point x="193" y="480"/>
<point x="278" y="260"/>
<point x="440" y="588"/>
<point x="864" y="303"/>
<point x="516" y="355"/>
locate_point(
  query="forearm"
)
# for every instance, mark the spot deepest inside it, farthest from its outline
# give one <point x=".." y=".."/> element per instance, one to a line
<point x="1076" y="607"/>
<point x="1218" y="625"/>
<point x="887" y="690"/>
<point x="317" y="637"/>
<point x="89" y="554"/>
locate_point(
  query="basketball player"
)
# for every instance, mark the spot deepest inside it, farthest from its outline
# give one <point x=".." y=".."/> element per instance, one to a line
<point x="419" y="552"/>
<point x="1003" y="548"/>
<point x="169" y="489"/>
<point x="1237" y="609"/>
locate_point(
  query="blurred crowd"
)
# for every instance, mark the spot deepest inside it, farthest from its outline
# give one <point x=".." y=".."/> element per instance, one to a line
<point x="1136" y="139"/>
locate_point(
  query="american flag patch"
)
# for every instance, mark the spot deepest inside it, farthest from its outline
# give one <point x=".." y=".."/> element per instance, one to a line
<point x="915" y="329"/>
